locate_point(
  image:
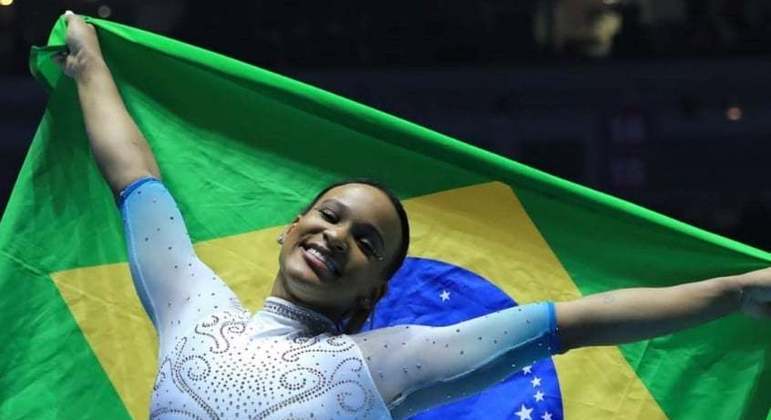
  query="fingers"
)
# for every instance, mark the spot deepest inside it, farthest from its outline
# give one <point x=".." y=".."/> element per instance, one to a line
<point x="757" y="284"/>
<point x="68" y="16"/>
<point x="72" y="18"/>
<point x="80" y="35"/>
<point x="759" y="293"/>
<point x="60" y="58"/>
<point x="756" y="293"/>
<point x="66" y="62"/>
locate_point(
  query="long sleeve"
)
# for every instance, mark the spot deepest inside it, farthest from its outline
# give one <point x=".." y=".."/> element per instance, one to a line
<point x="175" y="287"/>
<point x="417" y="367"/>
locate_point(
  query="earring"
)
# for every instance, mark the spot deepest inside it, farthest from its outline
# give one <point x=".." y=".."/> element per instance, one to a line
<point x="365" y="302"/>
<point x="280" y="239"/>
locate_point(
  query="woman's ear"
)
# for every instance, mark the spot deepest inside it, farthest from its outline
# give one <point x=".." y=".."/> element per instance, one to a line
<point x="289" y="228"/>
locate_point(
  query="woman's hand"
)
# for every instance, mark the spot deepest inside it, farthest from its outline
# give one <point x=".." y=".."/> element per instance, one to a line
<point x="84" y="53"/>
<point x="756" y="293"/>
<point x="119" y="148"/>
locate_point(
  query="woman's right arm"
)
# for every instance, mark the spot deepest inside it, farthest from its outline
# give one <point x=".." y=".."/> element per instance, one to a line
<point x="119" y="148"/>
<point x="175" y="287"/>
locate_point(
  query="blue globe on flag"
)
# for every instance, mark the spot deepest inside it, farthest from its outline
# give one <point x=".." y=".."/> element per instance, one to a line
<point x="435" y="293"/>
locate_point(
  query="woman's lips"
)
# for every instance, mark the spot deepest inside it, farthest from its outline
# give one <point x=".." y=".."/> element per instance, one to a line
<point x="317" y="265"/>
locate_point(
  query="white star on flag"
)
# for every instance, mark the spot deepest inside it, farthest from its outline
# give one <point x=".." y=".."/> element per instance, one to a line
<point x="546" y="416"/>
<point x="528" y="369"/>
<point x="536" y="381"/>
<point x="524" y="413"/>
<point x="445" y="295"/>
<point x="538" y="396"/>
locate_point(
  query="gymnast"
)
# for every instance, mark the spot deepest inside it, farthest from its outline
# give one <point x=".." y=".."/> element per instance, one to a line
<point x="303" y="355"/>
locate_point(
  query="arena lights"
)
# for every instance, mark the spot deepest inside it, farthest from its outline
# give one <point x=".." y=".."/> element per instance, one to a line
<point x="6" y="2"/>
<point x="733" y="113"/>
<point x="104" y="11"/>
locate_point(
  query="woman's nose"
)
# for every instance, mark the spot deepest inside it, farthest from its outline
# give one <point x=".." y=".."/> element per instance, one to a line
<point x="336" y="240"/>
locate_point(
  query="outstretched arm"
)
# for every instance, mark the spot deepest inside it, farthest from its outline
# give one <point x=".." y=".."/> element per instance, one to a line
<point x="416" y="367"/>
<point x="120" y="149"/>
<point x="627" y="315"/>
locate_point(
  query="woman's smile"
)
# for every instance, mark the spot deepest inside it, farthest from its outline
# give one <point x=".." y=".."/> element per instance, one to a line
<point x="320" y="260"/>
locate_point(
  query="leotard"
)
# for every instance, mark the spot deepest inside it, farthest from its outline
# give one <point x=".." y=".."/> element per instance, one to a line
<point x="217" y="360"/>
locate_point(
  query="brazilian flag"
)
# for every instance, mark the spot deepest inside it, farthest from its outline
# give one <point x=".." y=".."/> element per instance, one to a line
<point x="243" y="150"/>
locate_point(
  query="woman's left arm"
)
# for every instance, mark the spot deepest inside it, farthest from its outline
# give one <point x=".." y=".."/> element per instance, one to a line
<point x="416" y="367"/>
<point x="627" y="315"/>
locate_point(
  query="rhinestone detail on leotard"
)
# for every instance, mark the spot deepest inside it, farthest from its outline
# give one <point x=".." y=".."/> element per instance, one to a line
<point x="275" y="364"/>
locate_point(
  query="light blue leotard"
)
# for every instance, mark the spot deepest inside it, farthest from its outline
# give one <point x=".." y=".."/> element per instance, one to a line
<point x="217" y="360"/>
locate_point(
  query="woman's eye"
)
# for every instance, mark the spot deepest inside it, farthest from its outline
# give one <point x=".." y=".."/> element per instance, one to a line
<point x="368" y="249"/>
<point x="328" y="215"/>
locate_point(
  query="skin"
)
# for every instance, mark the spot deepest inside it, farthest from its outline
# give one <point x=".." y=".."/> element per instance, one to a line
<point x="361" y="230"/>
<point x="120" y="149"/>
<point x="627" y="315"/>
<point x="620" y="316"/>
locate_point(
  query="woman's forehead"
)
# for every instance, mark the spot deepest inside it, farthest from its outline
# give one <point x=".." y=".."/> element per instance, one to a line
<point x="362" y="199"/>
<point x="367" y="203"/>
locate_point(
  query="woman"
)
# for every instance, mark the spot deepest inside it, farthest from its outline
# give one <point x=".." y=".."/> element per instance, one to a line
<point x="301" y="355"/>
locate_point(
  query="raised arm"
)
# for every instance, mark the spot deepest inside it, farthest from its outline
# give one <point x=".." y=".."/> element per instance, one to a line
<point x="174" y="286"/>
<point x="627" y="315"/>
<point x="120" y="149"/>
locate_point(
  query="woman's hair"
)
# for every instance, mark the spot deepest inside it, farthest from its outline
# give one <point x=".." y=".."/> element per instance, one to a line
<point x="359" y="315"/>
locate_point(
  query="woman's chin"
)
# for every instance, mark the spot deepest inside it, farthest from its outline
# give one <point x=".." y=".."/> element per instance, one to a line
<point x="310" y="291"/>
<point x="300" y="271"/>
<point x="303" y="279"/>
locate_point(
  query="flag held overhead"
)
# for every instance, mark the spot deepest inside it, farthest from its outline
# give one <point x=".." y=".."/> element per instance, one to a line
<point x="244" y="149"/>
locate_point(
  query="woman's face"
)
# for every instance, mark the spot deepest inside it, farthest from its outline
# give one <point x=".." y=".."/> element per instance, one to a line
<point x="338" y="252"/>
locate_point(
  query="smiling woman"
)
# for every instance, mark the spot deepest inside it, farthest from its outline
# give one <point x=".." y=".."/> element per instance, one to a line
<point x="301" y="355"/>
<point x="341" y="250"/>
<point x="289" y="359"/>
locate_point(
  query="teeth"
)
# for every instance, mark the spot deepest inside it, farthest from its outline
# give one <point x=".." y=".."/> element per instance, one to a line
<point x="323" y="258"/>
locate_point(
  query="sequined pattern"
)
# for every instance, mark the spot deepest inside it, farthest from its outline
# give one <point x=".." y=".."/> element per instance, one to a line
<point x="228" y="367"/>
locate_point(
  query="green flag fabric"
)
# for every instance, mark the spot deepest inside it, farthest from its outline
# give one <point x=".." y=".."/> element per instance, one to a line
<point x="243" y="150"/>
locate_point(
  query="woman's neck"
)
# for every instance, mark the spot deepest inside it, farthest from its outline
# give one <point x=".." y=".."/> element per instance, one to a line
<point x="280" y="290"/>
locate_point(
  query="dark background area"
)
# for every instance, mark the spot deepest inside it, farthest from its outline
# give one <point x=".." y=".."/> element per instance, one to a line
<point x="661" y="102"/>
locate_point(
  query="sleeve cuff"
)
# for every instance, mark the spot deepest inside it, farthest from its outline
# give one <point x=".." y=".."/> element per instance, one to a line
<point x="554" y="342"/>
<point x="131" y="187"/>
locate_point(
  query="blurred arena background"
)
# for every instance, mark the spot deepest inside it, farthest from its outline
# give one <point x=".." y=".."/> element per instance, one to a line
<point x="661" y="102"/>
